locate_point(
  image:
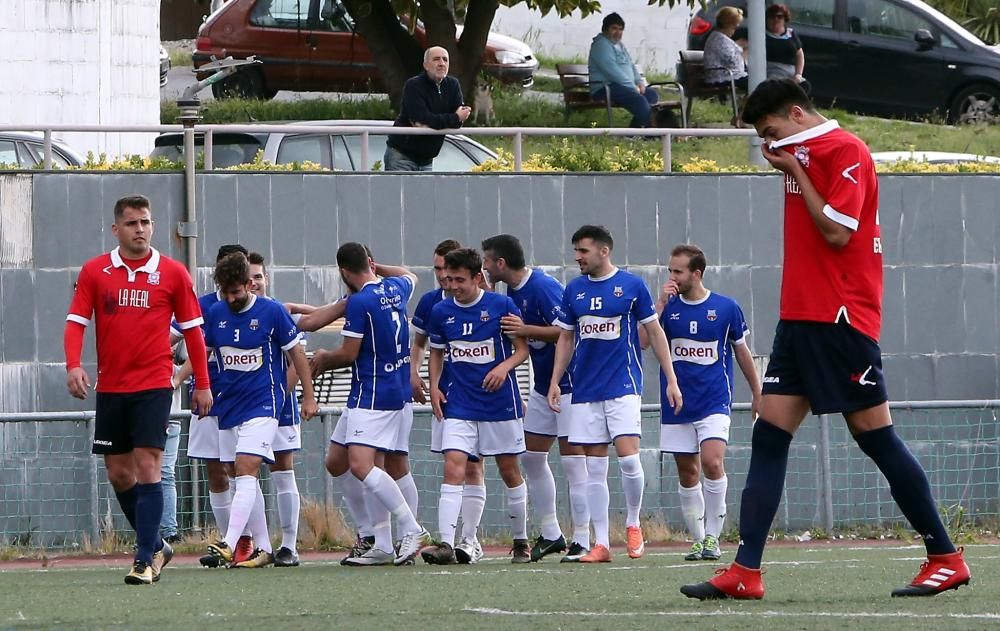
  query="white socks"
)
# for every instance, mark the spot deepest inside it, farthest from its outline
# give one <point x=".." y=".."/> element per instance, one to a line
<point x="257" y="524"/>
<point x="244" y="500"/>
<point x="542" y="488"/>
<point x="221" y="504"/>
<point x="517" y="510"/>
<point x="354" y="499"/>
<point x="693" y="509"/>
<point x="289" y="503"/>
<point x="449" y="507"/>
<point x="575" y="469"/>
<point x="633" y="481"/>
<point x="409" y="490"/>
<point x="383" y="487"/>
<point x="473" y="505"/>
<point x="715" y="505"/>
<point x="598" y="497"/>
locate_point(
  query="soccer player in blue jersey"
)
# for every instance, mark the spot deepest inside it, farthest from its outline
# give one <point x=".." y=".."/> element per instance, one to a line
<point x="372" y="346"/>
<point x="600" y="314"/>
<point x="706" y="332"/>
<point x="250" y="336"/>
<point x="468" y="549"/>
<point x="539" y="297"/>
<point x="480" y="406"/>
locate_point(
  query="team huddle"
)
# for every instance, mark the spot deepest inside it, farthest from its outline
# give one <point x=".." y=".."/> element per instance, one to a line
<point x="584" y="341"/>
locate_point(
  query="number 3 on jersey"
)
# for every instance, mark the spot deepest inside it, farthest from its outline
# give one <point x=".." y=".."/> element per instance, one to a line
<point x="236" y="335"/>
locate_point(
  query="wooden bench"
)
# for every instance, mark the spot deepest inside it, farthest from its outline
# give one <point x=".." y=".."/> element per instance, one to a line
<point x="575" y="81"/>
<point x="691" y="75"/>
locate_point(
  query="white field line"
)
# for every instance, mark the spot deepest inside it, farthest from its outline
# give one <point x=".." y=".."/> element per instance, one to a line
<point x="736" y="614"/>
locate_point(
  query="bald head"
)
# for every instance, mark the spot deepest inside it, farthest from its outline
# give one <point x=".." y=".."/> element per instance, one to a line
<point x="436" y="63"/>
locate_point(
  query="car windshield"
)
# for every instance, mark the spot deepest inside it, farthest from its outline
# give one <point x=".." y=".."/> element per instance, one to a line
<point x="954" y="27"/>
<point x="227" y="149"/>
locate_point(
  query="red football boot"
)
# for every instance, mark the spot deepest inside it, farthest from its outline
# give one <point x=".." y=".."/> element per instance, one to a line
<point x="734" y="581"/>
<point x="939" y="573"/>
<point x="243" y="550"/>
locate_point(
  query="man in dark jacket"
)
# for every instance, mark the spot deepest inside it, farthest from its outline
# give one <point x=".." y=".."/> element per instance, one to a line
<point x="431" y="99"/>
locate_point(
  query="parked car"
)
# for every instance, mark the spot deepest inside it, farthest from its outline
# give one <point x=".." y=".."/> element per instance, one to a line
<point x="932" y="157"/>
<point x="164" y="66"/>
<point x="311" y="45"/>
<point x="887" y="57"/>
<point x="333" y="151"/>
<point x="26" y="150"/>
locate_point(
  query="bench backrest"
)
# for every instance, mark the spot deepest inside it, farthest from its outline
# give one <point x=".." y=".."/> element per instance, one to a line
<point x="691" y="74"/>
<point x="575" y="81"/>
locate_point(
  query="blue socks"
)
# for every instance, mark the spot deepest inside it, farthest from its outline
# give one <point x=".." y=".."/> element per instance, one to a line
<point x="148" y="511"/>
<point x="126" y="500"/>
<point x="762" y="493"/>
<point x="908" y="484"/>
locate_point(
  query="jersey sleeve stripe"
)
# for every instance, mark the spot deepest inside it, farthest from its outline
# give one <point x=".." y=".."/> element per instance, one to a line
<point x="347" y="333"/>
<point x="559" y="323"/>
<point x="190" y="324"/>
<point x="439" y="347"/>
<point x="418" y="329"/>
<point x="845" y="220"/>
<point x="649" y="319"/>
<point x="740" y="342"/>
<point x="72" y="317"/>
<point x="292" y="344"/>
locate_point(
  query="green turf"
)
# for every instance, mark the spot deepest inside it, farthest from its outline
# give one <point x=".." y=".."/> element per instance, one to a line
<point x="814" y="588"/>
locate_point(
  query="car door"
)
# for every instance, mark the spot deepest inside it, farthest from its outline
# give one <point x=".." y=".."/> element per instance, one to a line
<point x="276" y="34"/>
<point x="339" y="60"/>
<point x="891" y="73"/>
<point x="815" y="23"/>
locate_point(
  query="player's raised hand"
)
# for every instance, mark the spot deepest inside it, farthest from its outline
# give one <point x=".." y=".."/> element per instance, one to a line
<point x="437" y="399"/>
<point x="201" y="402"/>
<point x="512" y="325"/>
<point x="555" y="398"/>
<point x="780" y="159"/>
<point x="674" y="396"/>
<point x="494" y="379"/>
<point x="419" y="388"/>
<point x="309" y="408"/>
<point x="78" y="382"/>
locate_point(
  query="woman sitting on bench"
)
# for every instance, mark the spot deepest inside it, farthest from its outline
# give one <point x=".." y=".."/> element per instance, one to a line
<point x="723" y="57"/>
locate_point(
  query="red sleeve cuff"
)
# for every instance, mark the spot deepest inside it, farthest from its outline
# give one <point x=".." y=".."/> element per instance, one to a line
<point x="73" y="344"/>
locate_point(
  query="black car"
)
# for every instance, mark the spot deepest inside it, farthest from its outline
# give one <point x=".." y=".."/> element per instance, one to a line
<point x="887" y="57"/>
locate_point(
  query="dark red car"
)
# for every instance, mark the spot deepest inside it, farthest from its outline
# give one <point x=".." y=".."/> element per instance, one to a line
<point x="311" y="46"/>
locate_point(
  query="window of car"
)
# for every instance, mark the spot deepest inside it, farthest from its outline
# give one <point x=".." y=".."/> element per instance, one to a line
<point x="812" y="12"/>
<point x="8" y="153"/>
<point x="883" y="19"/>
<point x="279" y="13"/>
<point x="313" y="148"/>
<point x="38" y="154"/>
<point x="376" y="149"/>
<point x="341" y="156"/>
<point x="452" y="158"/>
<point x="333" y="17"/>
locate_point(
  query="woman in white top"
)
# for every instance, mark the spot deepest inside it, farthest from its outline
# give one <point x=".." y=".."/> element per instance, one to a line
<point x="723" y="56"/>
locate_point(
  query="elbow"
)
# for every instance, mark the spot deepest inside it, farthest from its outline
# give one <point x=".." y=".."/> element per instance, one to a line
<point x="838" y="240"/>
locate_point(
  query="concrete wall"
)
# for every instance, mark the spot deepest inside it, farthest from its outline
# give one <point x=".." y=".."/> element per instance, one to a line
<point x="84" y="62"/>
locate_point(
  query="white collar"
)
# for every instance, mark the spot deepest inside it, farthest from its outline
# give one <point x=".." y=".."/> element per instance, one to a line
<point x="464" y="305"/>
<point x="524" y="281"/>
<point x="695" y="302"/>
<point x="807" y="134"/>
<point x="250" y="304"/>
<point x="149" y="267"/>
<point x="596" y="279"/>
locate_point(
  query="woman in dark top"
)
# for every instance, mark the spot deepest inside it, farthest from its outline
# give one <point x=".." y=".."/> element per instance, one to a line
<point x="785" y="59"/>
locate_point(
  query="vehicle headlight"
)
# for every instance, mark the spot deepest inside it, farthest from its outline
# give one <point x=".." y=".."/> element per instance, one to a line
<point x="509" y="57"/>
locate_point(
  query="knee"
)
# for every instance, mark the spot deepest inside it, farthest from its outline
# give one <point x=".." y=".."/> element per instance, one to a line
<point x="121" y="478"/>
<point x="714" y="468"/>
<point x="336" y="464"/>
<point x="688" y="475"/>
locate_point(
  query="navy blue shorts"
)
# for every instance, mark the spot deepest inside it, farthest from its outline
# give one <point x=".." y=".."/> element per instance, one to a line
<point x="126" y="420"/>
<point x="835" y="366"/>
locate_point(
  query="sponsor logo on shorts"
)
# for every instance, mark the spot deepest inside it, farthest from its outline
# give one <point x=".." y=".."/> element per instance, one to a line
<point x="359" y="432"/>
<point x="241" y="359"/>
<point x="703" y="353"/>
<point x="861" y="377"/>
<point x="106" y="443"/>
<point x="481" y="352"/>
<point x="599" y="328"/>
<point x="772" y="379"/>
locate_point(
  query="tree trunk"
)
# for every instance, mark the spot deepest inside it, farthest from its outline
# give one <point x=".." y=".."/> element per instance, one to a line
<point x="478" y="20"/>
<point x="397" y="54"/>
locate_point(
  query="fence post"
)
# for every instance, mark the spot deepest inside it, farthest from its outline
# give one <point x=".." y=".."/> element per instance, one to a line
<point x="518" y="149"/>
<point x="327" y="478"/>
<point x="667" y="153"/>
<point x="826" y="481"/>
<point x="95" y="508"/>
<point x="195" y="489"/>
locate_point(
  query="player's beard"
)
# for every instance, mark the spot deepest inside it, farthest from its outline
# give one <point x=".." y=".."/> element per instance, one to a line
<point x="238" y="305"/>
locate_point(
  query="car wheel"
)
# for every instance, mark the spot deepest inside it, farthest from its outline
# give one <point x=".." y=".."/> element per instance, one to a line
<point x="245" y="84"/>
<point x="978" y="103"/>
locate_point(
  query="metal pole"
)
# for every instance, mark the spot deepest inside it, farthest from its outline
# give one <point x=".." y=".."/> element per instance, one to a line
<point x="826" y="482"/>
<point x="364" y="153"/>
<point x="195" y="490"/>
<point x="517" y="151"/>
<point x="667" y="152"/>
<point x="188" y="229"/>
<point x="758" y="65"/>
<point x="47" y="145"/>
<point x="209" y="148"/>
<point x="95" y="509"/>
<point x="327" y="478"/>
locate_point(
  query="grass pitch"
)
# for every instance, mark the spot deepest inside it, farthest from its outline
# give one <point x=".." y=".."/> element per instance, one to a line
<point x="817" y="587"/>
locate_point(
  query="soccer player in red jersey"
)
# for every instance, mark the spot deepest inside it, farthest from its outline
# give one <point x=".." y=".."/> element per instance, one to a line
<point x="131" y="294"/>
<point x="826" y="355"/>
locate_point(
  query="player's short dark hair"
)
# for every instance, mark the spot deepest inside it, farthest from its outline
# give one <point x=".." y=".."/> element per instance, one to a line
<point x="130" y="201"/>
<point x="353" y="257"/>
<point x="225" y="250"/>
<point x="233" y="269"/>
<point x="598" y="234"/>
<point x="464" y="258"/>
<point x="256" y="258"/>
<point x="446" y="246"/>
<point x="611" y="19"/>
<point x="696" y="257"/>
<point x="506" y="247"/>
<point x="775" y="97"/>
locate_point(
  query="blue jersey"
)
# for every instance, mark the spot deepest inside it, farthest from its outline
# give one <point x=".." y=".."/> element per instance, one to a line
<point x="539" y="297"/>
<point x="701" y="337"/>
<point x="206" y="302"/>
<point x="290" y="411"/>
<point x="472" y="335"/>
<point x="605" y="314"/>
<point x="421" y="315"/>
<point x="376" y="314"/>
<point x="248" y="355"/>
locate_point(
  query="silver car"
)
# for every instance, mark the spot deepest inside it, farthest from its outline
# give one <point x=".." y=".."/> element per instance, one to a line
<point x="26" y="150"/>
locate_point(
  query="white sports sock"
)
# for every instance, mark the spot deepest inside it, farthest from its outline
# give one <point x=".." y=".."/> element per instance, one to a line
<point x="473" y="505"/>
<point x="542" y="490"/>
<point x="409" y="490"/>
<point x="354" y="498"/>
<point x="575" y="468"/>
<point x="633" y="481"/>
<point x="221" y="503"/>
<point x="383" y="487"/>
<point x="381" y="520"/>
<point x="517" y="510"/>
<point x="693" y="509"/>
<point x="715" y="505"/>
<point x="289" y="503"/>
<point x="243" y="502"/>
<point x="449" y="507"/>
<point x="599" y="498"/>
<point x="257" y="524"/>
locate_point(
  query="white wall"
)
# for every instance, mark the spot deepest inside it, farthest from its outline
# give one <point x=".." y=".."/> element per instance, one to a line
<point x="84" y="62"/>
<point x="652" y="34"/>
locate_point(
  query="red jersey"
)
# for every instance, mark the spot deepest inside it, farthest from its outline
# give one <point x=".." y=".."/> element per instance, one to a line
<point x="820" y="283"/>
<point x="132" y="309"/>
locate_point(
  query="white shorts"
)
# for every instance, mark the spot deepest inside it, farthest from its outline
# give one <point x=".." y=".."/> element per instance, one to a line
<point x="254" y="438"/>
<point x="686" y="438"/>
<point x="602" y="422"/>
<point x="437" y="430"/>
<point x="483" y="438"/>
<point x="540" y="419"/>
<point x="372" y="428"/>
<point x="339" y="434"/>
<point x="288" y="438"/>
<point x="402" y="445"/>
<point x="203" y="438"/>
